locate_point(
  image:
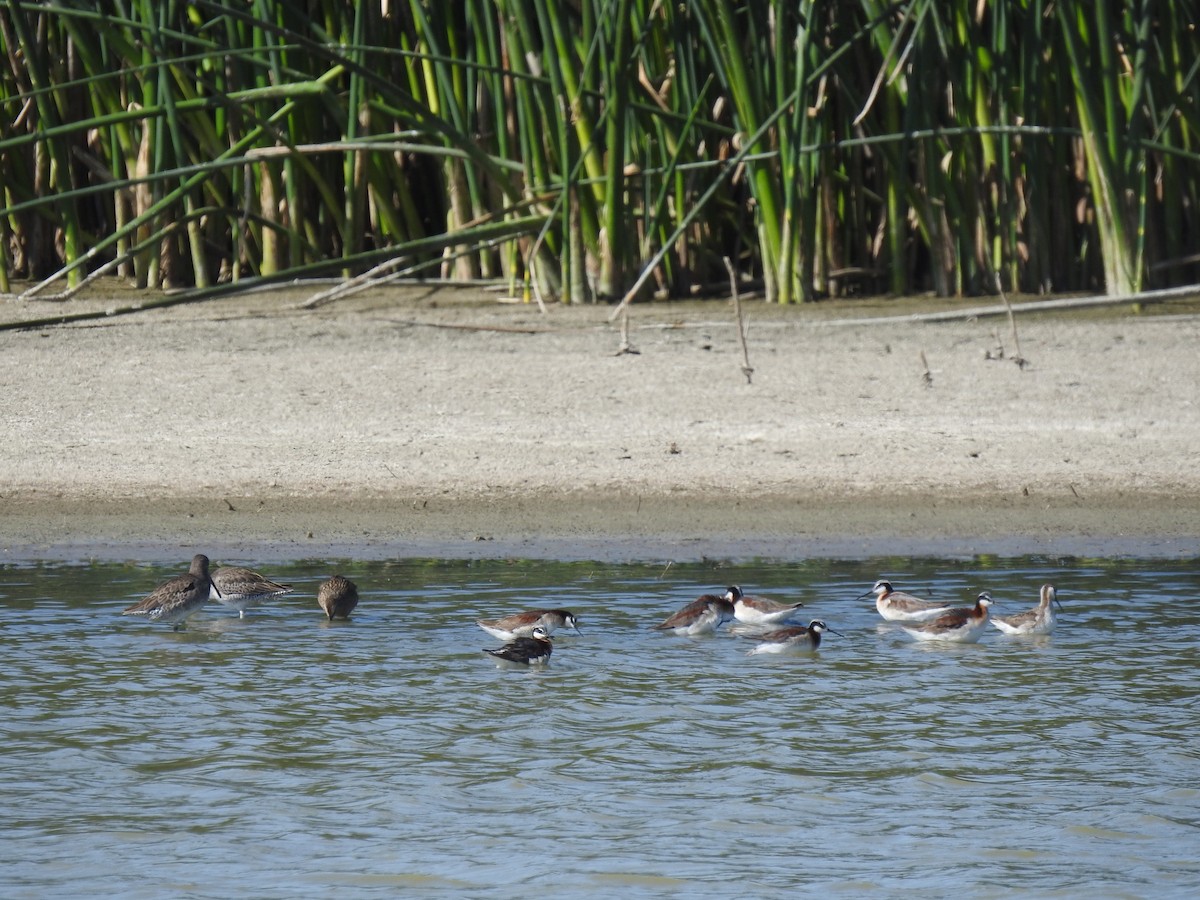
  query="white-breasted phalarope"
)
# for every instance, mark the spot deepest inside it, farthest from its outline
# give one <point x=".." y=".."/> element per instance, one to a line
<point x="964" y="625"/>
<point x="751" y="610"/>
<point x="793" y="639"/>
<point x="1039" y="620"/>
<point x="522" y="624"/>
<point x="703" y="615"/>
<point x="897" y="606"/>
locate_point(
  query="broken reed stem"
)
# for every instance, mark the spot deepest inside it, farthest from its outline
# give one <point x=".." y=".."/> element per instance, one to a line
<point x="1012" y="321"/>
<point x="625" y="346"/>
<point x="747" y="369"/>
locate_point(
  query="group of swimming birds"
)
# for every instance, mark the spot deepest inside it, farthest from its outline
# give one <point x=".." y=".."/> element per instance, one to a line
<point x="527" y="635"/>
<point x="925" y="620"/>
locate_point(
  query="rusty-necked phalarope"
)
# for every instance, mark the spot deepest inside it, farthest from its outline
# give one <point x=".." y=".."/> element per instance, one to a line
<point x="533" y="650"/>
<point x="174" y="600"/>
<point x="1039" y="620"/>
<point x="703" y="615"/>
<point x="795" y="638"/>
<point x="337" y="596"/>
<point x="759" y="610"/>
<point x="963" y="625"/>
<point x="523" y="624"/>
<point x="897" y="606"/>
<point x="241" y="588"/>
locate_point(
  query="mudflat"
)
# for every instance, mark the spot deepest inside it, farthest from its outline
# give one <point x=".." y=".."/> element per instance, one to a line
<point x="441" y="421"/>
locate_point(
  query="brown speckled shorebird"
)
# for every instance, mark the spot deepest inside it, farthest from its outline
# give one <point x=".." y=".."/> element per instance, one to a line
<point x="241" y="588"/>
<point x="173" y="601"/>
<point x="338" y="596"/>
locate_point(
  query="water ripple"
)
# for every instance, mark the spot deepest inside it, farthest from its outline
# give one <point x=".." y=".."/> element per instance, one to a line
<point x="282" y="755"/>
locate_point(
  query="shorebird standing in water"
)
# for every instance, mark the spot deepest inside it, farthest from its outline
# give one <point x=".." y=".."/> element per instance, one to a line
<point x="1039" y="620"/>
<point x="174" y="600"/>
<point x="241" y="588"/>
<point x="337" y="596"/>
<point x="897" y="606"/>
<point x="793" y="639"/>
<point x="963" y="625"/>
<point x="523" y="624"/>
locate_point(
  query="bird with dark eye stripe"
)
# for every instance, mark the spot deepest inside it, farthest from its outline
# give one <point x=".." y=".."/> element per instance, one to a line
<point x="751" y="610"/>
<point x="534" y="650"/>
<point x="797" y="638"/>
<point x="897" y="606"/>
<point x="964" y="625"/>
<point x="522" y="624"/>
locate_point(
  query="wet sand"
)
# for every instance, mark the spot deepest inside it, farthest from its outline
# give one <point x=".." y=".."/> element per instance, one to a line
<point x="432" y="421"/>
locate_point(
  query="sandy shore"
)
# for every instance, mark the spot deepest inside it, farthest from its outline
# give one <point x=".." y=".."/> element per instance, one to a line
<point x="443" y="422"/>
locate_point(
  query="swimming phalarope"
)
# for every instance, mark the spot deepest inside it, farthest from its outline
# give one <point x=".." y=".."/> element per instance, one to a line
<point x="759" y="610"/>
<point x="964" y="625"/>
<point x="533" y="650"/>
<point x="1039" y="620"/>
<point x="897" y="606"/>
<point x="241" y="588"/>
<point x="703" y="615"/>
<point x="522" y="624"/>
<point x="337" y="596"/>
<point x="795" y="638"/>
<point x="174" y="600"/>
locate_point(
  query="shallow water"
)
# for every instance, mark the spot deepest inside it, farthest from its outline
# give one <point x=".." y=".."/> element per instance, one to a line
<point x="284" y="756"/>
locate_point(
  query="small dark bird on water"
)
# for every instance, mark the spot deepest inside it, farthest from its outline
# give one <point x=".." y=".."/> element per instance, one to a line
<point x="534" y="650"/>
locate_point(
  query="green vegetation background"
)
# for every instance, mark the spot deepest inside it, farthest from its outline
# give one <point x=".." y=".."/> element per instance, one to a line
<point x="586" y="149"/>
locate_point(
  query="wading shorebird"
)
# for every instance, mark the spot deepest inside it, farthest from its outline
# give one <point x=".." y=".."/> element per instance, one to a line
<point x="534" y="650"/>
<point x="240" y="588"/>
<point x="174" y="600"/>
<point x="337" y="596"/>
<point x="752" y="610"/>
<point x="897" y="606"/>
<point x="964" y="625"/>
<point x="522" y="624"/>
<point x="797" y="638"/>
<point x="1039" y="620"/>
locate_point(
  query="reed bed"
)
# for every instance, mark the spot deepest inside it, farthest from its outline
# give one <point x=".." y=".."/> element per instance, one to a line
<point x="598" y="149"/>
